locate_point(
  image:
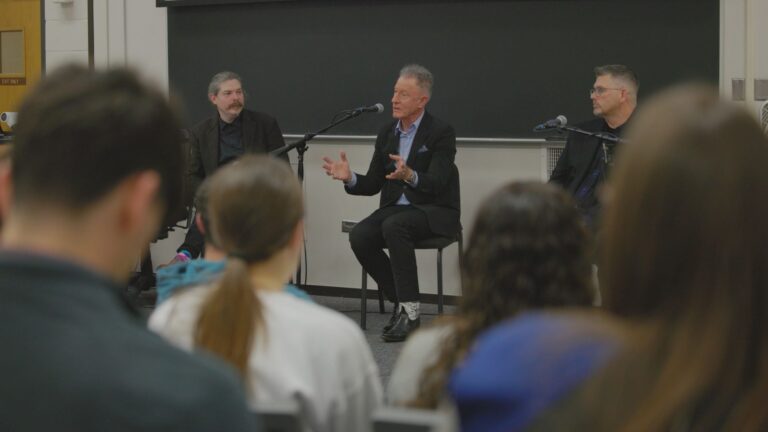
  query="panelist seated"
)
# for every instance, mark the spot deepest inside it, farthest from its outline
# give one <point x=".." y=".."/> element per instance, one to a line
<point x="413" y="169"/>
<point x="285" y="348"/>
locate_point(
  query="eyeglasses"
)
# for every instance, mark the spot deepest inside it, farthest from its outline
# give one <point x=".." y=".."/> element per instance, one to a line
<point x="601" y="90"/>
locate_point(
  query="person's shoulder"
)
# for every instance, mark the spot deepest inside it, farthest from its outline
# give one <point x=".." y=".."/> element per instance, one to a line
<point x="435" y="122"/>
<point x="387" y="128"/>
<point x="204" y="125"/>
<point x="549" y="341"/>
<point x="196" y="387"/>
<point x="591" y="125"/>
<point x="257" y="116"/>
<point x="141" y="372"/>
<point x="176" y="317"/>
<point x="320" y="321"/>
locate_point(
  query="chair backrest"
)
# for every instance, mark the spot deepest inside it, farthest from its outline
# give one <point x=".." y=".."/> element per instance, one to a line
<point x="391" y="419"/>
<point x="280" y="416"/>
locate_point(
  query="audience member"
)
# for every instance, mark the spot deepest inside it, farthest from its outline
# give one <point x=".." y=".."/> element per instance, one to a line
<point x="285" y="348"/>
<point x="527" y="250"/>
<point x="685" y="267"/>
<point x="684" y="271"/>
<point x="96" y="163"/>
<point x="206" y="270"/>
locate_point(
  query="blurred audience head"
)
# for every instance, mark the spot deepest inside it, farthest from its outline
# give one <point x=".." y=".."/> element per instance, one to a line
<point x="528" y="249"/>
<point x="685" y="263"/>
<point x="255" y="209"/>
<point x="94" y="143"/>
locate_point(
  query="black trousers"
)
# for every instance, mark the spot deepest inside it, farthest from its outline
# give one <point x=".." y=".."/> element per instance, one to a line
<point x="396" y="228"/>
<point x="194" y="243"/>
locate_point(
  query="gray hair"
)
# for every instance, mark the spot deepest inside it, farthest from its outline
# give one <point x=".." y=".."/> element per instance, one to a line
<point x="423" y="76"/>
<point x="215" y="84"/>
<point x="621" y="72"/>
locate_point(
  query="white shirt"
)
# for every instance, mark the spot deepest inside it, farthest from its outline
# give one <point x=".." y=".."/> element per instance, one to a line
<point x="307" y="353"/>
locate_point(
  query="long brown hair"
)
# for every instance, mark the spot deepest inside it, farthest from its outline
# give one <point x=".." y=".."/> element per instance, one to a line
<point x="528" y="249"/>
<point x="254" y="205"/>
<point x="685" y="262"/>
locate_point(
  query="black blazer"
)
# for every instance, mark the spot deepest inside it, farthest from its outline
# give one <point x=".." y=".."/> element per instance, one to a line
<point x="77" y="358"/>
<point x="261" y="134"/>
<point x="432" y="156"/>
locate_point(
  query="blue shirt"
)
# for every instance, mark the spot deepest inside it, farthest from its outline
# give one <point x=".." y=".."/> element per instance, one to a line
<point x="404" y="149"/>
<point x="520" y="367"/>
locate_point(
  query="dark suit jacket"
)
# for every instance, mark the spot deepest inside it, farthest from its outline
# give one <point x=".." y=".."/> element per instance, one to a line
<point x="432" y="156"/>
<point x="261" y="134"/>
<point x="76" y="358"/>
<point x="580" y="150"/>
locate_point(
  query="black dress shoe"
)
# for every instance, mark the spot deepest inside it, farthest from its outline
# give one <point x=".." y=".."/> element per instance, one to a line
<point x="392" y="320"/>
<point x="402" y="328"/>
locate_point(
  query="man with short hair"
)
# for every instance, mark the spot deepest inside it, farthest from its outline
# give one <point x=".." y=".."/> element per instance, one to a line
<point x="413" y="168"/>
<point x="581" y="168"/>
<point x="222" y="138"/>
<point x="96" y="165"/>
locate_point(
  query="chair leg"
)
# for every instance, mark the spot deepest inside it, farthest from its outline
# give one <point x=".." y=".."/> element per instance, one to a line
<point x="461" y="261"/>
<point x="381" y="301"/>
<point x="364" y="300"/>
<point x="440" y="281"/>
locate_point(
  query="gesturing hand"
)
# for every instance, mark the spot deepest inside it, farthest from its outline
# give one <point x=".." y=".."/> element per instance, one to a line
<point x="402" y="171"/>
<point x="339" y="170"/>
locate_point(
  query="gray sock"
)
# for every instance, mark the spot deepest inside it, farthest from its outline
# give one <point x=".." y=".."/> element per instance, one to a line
<point x="411" y="308"/>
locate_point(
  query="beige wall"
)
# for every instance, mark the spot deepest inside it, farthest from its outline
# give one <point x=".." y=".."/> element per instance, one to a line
<point x="743" y="45"/>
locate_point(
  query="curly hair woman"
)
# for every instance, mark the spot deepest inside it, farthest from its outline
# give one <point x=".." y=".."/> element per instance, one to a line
<point x="528" y="249"/>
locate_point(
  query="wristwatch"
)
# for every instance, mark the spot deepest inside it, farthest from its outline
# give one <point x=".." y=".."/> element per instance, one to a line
<point x="411" y="179"/>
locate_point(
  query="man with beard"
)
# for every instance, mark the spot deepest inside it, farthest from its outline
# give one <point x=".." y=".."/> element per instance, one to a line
<point x="223" y="138"/>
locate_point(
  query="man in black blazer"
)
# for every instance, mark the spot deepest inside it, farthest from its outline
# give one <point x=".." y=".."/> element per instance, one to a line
<point x="96" y="166"/>
<point x="581" y="168"/>
<point x="413" y="168"/>
<point x="218" y="140"/>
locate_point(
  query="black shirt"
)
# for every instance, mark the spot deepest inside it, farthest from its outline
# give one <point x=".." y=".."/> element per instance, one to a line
<point x="230" y="140"/>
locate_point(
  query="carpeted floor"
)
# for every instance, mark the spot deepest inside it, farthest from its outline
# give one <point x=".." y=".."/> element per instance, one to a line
<point x="384" y="353"/>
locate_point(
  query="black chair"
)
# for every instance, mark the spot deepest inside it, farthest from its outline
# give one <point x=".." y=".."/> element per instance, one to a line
<point x="280" y="417"/>
<point x="392" y="419"/>
<point x="437" y="243"/>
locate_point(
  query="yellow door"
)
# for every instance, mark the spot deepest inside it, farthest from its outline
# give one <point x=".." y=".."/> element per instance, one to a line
<point x="20" y="51"/>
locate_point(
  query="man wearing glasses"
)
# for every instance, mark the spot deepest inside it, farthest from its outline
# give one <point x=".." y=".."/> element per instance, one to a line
<point x="582" y="165"/>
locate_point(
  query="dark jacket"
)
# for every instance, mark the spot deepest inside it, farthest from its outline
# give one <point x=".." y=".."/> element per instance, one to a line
<point x="579" y="152"/>
<point x="261" y="134"/>
<point x="576" y="163"/>
<point x="432" y="156"/>
<point x="76" y="358"/>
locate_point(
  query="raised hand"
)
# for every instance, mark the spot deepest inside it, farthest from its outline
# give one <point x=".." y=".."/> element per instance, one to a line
<point x="339" y="170"/>
<point x="402" y="171"/>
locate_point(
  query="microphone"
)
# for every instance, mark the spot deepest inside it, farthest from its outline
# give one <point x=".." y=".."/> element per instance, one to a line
<point x="557" y="122"/>
<point x="377" y="108"/>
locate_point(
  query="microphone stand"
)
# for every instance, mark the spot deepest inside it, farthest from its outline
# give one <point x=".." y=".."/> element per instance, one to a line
<point x="607" y="140"/>
<point x="301" y="148"/>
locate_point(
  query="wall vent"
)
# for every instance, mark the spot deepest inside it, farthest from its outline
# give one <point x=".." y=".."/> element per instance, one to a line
<point x="553" y="154"/>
